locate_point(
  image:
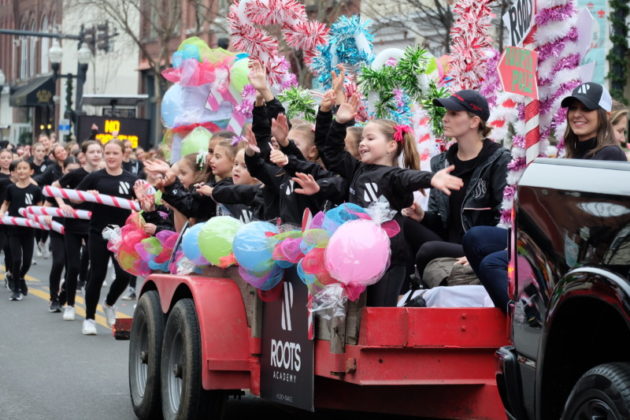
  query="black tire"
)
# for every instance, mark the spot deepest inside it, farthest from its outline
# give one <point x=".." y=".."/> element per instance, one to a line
<point x="602" y="392"/>
<point x="145" y="348"/>
<point x="183" y="397"/>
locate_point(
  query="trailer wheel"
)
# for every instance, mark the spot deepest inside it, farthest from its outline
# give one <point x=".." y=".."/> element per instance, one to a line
<point x="145" y="347"/>
<point x="183" y="397"/>
<point x="602" y="392"/>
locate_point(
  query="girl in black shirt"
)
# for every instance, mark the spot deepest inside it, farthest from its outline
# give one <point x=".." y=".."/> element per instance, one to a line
<point x="112" y="180"/>
<point x="21" y="194"/>
<point x="376" y="174"/>
<point x="5" y="180"/>
<point x="76" y="230"/>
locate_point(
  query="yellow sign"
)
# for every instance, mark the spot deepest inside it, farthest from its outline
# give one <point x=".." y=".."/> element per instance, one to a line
<point x="112" y="130"/>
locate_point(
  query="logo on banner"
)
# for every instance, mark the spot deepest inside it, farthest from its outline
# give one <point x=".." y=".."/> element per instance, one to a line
<point x="287" y="304"/>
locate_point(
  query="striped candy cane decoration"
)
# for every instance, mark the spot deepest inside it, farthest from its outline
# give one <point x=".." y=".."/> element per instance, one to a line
<point x="104" y="199"/>
<point x="20" y="221"/>
<point x="532" y="130"/>
<point x="42" y="220"/>
<point x="57" y="212"/>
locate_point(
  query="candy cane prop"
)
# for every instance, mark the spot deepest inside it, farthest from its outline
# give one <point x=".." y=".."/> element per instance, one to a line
<point x="104" y="199"/>
<point x="20" y="221"/>
<point x="57" y="212"/>
<point x="42" y="220"/>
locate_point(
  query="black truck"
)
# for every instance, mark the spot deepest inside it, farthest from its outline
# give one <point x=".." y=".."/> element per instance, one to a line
<point x="570" y="290"/>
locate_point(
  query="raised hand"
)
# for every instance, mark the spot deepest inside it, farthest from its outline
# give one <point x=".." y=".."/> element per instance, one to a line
<point x="348" y="110"/>
<point x="156" y="166"/>
<point x="258" y="79"/>
<point x="252" y="145"/>
<point x="280" y="129"/>
<point x="307" y="183"/>
<point x="337" y="83"/>
<point x="328" y="100"/>
<point x="278" y="158"/>
<point x="445" y="182"/>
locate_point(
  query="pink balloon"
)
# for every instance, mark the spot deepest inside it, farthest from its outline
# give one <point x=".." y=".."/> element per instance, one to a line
<point x="358" y="253"/>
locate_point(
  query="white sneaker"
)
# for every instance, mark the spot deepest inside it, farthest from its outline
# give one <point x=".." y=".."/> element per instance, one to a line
<point x="110" y="314"/>
<point x="89" y="327"/>
<point x="68" y="313"/>
<point x="46" y="252"/>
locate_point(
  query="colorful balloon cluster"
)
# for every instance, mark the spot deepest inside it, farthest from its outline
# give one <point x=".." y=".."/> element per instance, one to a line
<point x="211" y="242"/>
<point x="342" y="245"/>
<point x="137" y="252"/>
<point x="204" y="98"/>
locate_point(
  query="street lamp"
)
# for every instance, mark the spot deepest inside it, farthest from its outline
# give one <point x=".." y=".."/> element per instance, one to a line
<point x="55" y="53"/>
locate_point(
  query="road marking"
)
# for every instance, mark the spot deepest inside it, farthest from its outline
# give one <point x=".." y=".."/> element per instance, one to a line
<point x="79" y="310"/>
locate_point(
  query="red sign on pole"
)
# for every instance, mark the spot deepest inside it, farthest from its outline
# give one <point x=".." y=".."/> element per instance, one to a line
<point x="517" y="70"/>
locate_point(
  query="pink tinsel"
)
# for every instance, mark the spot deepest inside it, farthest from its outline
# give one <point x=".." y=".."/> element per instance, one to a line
<point x="275" y="12"/>
<point x="517" y="164"/>
<point x="567" y="62"/>
<point x="555" y="14"/>
<point x="491" y="84"/>
<point x="552" y="49"/>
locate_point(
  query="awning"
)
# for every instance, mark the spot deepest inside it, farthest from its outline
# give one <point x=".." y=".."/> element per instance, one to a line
<point x="36" y="92"/>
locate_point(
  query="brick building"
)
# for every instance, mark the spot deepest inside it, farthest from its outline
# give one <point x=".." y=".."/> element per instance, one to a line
<point x="28" y="87"/>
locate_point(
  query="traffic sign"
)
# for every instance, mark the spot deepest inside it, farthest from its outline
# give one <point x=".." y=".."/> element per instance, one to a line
<point x="517" y="71"/>
<point x="519" y="21"/>
<point x="64" y="126"/>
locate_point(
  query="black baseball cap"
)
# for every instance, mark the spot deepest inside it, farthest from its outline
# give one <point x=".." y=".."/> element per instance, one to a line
<point x="591" y="95"/>
<point x="466" y="100"/>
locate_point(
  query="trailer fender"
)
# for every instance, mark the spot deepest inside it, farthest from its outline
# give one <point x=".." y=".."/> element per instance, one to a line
<point x="225" y="335"/>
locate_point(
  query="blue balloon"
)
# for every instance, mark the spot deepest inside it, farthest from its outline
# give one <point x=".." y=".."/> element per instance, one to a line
<point x="274" y="278"/>
<point x="190" y="245"/>
<point x="177" y="59"/>
<point x="172" y="105"/>
<point x="253" y="248"/>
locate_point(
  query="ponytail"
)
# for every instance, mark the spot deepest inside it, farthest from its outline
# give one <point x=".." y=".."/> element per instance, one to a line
<point x="406" y="142"/>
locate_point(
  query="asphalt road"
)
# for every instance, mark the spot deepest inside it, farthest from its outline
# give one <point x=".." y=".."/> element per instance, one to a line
<point x="49" y="370"/>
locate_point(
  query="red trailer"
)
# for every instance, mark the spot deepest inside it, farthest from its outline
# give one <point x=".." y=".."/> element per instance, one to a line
<point x="197" y="339"/>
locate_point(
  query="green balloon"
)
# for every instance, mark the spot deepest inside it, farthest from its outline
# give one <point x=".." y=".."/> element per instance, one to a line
<point x="431" y="66"/>
<point x="216" y="236"/>
<point x="239" y="73"/>
<point x="196" y="141"/>
<point x="203" y="48"/>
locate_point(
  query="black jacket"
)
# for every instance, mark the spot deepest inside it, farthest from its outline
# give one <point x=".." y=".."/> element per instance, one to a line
<point x="244" y="202"/>
<point x="161" y="217"/>
<point x="484" y="194"/>
<point x="188" y="202"/>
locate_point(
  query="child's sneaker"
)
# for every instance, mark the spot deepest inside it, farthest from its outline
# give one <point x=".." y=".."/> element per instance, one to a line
<point x="110" y="314"/>
<point x="15" y="296"/>
<point x="23" y="287"/>
<point x="89" y="327"/>
<point x="130" y="294"/>
<point x="54" y="306"/>
<point x="68" y="313"/>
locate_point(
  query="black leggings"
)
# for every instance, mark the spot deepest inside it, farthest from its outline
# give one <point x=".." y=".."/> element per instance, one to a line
<point x="416" y="235"/>
<point x="99" y="255"/>
<point x="21" y="241"/>
<point x="73" y="244"/>
<point x="41" y="235"/>
<point x="58" y="263"/>
<point x="4" y="246"/>
<point x="386" y="291"/>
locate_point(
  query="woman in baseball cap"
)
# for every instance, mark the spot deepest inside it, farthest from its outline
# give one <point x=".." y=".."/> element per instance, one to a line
<point x="480" y="163"/>
<point x="589" y="134"/>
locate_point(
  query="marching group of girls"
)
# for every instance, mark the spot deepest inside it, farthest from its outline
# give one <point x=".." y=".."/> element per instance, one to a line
<point x="278" y="169"/>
